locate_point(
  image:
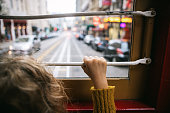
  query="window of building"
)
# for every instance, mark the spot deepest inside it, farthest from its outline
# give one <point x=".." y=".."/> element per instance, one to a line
<point x="22" y="5"/>
<point x="11" y="3"/>
<point x="17" y="5"/>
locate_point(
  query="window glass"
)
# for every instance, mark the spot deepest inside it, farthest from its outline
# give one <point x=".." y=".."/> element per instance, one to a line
<point x="21" y="40"/>
<point x="69" y="39"/>
<point x="124" y="45"/>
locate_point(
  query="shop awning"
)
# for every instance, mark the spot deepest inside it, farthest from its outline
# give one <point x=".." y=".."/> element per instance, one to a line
<point x="15" y="21"/>
<point x="90" y="25"/>
<point x="20" y="21"/>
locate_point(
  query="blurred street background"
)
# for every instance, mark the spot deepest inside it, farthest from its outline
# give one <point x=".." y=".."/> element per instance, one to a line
<point x="67" y="39"/>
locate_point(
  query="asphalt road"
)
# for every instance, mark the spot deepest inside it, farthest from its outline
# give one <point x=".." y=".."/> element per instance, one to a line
<point x="66" y="48"/>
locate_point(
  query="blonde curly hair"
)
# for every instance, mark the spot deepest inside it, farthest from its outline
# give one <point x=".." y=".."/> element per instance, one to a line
<point x="26" y="87"/>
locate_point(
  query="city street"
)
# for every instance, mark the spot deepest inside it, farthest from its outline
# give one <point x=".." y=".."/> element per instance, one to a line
<point x="66" y="48"/>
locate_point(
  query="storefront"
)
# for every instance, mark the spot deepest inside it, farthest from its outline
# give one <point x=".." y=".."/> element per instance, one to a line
<point x="14" y="28"/>
<point x="20" y="27"/>
<point x="99" y="28"/>
<point x="7" y="29"/>
<point x="119" y="27"/>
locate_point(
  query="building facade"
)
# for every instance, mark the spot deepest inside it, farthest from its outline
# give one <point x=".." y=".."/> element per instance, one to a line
<point x="108" y="27"/>
<point x="36" y="7"/>
<point x="11" y="29"/>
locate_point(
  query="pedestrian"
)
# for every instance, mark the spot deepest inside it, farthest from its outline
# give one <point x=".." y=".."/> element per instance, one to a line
<point x="9" y="36"/>
<point x="26" y="87"/>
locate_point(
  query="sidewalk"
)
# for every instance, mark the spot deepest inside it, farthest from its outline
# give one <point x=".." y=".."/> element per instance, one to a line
<point x="4" y="46"/>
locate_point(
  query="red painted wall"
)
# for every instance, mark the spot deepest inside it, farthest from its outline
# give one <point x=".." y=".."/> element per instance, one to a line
<point x="164" y="92"/>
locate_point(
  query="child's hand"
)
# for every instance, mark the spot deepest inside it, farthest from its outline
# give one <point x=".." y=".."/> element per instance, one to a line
<point x="95" y="68"/>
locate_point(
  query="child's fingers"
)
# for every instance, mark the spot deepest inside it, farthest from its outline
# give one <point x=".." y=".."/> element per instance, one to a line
<point x="103" y="60"/>
<point x="84" y="65"/>
<point x="94" y="60"/>
<point x="88" y="60"/>
<point x="96" y="57"/>
<point x="85" y="58"/>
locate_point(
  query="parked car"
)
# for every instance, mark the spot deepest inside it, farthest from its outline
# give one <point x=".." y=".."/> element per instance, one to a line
<point x="98" y="44"/>
<point x="88" y="39"/>
<point x="52" y="34"/>
<point x="123" y="52"/>
<point x="110" y="50"/>
<point x="42" y="35"/>
<point x="25" y="44"/>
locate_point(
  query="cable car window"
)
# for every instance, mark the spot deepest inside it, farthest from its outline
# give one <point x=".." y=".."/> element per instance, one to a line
<point x="69" y="39"/>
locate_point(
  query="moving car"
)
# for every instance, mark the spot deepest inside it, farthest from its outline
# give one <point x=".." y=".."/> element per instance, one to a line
<point x="98" y="44"/>
<point x="79" y="36"/>
<point x="110" y="50"/>
<point x="88" y="39"/>
<point x="123" y="52"/>
<point x="25" y="44"/>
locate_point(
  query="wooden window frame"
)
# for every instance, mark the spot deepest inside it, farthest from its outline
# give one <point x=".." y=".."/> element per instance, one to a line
<point x="126" y="88"/>
<point x="153" y="88"/>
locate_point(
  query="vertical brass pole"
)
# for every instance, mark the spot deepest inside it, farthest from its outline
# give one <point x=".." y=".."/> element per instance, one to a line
<point x="148" y="34"/>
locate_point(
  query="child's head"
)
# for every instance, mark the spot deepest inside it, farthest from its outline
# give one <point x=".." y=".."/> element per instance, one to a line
<point x="26" y="87"/>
